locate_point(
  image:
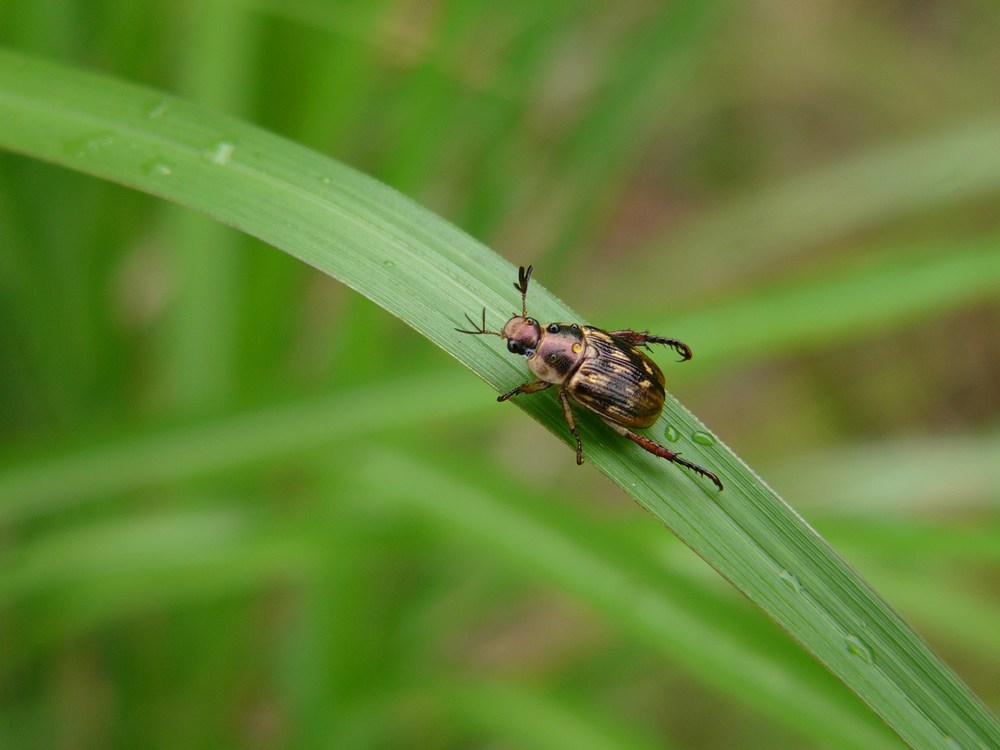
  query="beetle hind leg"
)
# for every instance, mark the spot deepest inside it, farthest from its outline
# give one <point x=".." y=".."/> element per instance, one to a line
<point x="658" y="450"/>
<point x="645" y="338"/>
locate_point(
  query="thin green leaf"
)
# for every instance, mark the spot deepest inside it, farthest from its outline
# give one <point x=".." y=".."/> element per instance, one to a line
<point x="672" y="616"/>
<point x="44" y="485"/>
<point x="850" y="195"/>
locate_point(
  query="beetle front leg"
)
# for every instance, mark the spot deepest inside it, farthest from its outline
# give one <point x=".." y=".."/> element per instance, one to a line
<point x="532" y="387"/>
<point x="568" y="413"/>
<point x="645" y="338"/>
<point x="658" y="450"/>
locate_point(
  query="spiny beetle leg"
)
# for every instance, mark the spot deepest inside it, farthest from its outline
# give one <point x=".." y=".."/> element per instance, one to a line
<point x="658" y="450"/>
<point x="532" y="387"/>
<point x="644" y="338"/>
<point x="568" y="413"/>
<point x="678" y="346"/>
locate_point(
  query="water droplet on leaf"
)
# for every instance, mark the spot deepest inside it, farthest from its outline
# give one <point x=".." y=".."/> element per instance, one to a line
<point x="222" y="154"/>
<point x="158" y="168"/>
<point x="702" y="437"/>
<point x="857" y="647"/>
<point x="792" y="580"/>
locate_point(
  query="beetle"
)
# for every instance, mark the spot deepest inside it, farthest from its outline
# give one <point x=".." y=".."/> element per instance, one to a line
<point x="602" y="371"/>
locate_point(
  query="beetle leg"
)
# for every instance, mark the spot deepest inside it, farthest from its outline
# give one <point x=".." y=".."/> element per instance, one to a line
<point x="540" y="385"/>
<point x="568" y="413"/>
<point x="635" y="338"/>
<point x="479" y="328"/>
<point x="658" y="450"/>
<point x="532" y="387"/>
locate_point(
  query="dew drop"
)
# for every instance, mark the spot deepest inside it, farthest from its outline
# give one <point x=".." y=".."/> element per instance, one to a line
<point x="222" y="154"/>
<point x="158" y="168"/>
<point x="703" y="437"/>
<point x="672" y="435"/>
<point x="792" y="580"/>
<point x="857" y="647"/>
<point x="158" y="110"/>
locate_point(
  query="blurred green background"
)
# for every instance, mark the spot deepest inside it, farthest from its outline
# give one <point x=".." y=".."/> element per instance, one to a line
<point x="241" y="506"/>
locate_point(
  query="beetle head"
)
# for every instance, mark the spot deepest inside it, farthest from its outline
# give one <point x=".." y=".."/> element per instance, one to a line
<point x="521" y="333"/>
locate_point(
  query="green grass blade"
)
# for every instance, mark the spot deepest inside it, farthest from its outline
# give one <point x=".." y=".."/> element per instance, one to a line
<point x="887" y="288"/>
<point x="540" y="720"/>
<point x="57" y="480"/>
<point x="198" y="360"/>
<point x="429" y="274"/>
<point x="658" y="64"/>
<point x="851" y="195"/>
<point x="654" y="605"/>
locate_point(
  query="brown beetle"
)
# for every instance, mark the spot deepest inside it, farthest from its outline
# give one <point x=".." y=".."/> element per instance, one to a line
<point x="603" y="371"/>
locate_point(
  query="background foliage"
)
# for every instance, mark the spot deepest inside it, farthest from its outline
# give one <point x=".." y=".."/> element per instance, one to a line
<point x="807" y="196"/>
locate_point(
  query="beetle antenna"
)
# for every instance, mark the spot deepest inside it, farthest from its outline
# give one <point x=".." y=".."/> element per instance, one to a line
<point x="481" y="328"/>
<point x="523" y="277"/>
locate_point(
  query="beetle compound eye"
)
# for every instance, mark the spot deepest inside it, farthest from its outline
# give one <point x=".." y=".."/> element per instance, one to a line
<point x="513" y="347"/>
<point x="553" y="328"/>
